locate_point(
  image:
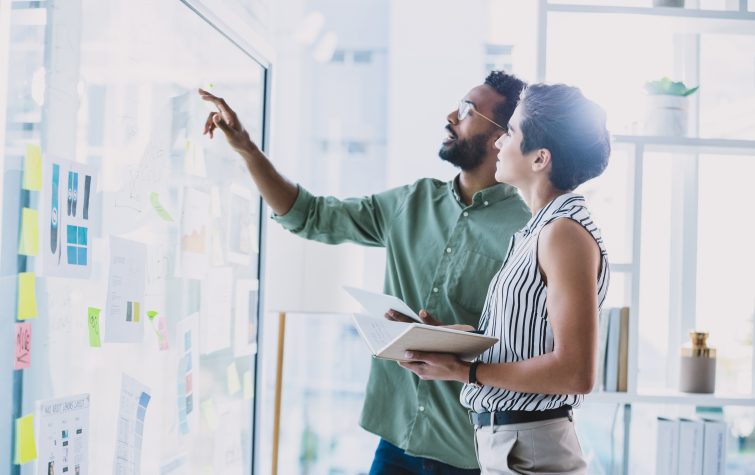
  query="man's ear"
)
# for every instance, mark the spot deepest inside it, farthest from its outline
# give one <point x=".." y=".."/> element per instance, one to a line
<point x="542" y="160"/>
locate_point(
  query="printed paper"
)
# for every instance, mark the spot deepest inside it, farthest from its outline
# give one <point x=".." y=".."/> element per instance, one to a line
<point x="68" y="216"/>
<point x="63" y="436"/>
<point x="130" y="432"/>
<point x="124" y="309"/>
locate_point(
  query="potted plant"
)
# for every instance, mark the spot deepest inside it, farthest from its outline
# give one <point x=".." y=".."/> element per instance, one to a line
<point x="666" y="112"/>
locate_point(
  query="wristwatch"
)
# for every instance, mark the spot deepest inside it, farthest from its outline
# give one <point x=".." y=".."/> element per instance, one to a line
<point x="473" y="374"/>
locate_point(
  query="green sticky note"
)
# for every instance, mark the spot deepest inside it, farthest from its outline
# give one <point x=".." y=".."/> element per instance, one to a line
<point x="154" y="200"/>
<point x="248" y="387"/>
<point x="33" y="168"/>
<point x="27" y="295"/>
<point x="93" y="315"/>
<point x="29" y="244"/>
<point x="234" y="385"/>
<point x="210" y="414"/>
<point x="26" y="446"/>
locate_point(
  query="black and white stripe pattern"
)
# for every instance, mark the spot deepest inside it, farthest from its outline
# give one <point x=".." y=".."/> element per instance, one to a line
<point x="515" y="310"/>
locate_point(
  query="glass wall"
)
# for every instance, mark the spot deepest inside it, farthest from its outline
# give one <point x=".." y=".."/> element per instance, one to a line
<point x="142" y="258"/>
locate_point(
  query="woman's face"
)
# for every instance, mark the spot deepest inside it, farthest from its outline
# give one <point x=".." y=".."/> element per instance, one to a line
<point x="512" y="166"/>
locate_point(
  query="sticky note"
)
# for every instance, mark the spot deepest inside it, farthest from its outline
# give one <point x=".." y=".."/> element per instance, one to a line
<point x="162" y="334"/>
<point x="23" y="346"/>
<point x="33" y="168"/>
<point x="154" y="200"/>
<point x="29" y="243"/>
<point x="93" y="316"/>
<point x="26" y="446"/>
<point x="210" y="414"/>
<point x="234" y="385"/>
<point x="27" y="295"/>
<point x="248" y="387"/>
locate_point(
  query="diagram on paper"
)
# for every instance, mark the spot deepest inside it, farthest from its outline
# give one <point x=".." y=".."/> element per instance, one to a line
<point x="187" y="343"/>
<point x="130" y="430"/>
<point x="63" y="438"/>
<point x="68" y="216"/>
<point x="124" y="313"/>
<point x="194" y="239"/>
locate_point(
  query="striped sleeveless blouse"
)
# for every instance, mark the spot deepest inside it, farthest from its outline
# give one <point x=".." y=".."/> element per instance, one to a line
<point x="515" y="310"/>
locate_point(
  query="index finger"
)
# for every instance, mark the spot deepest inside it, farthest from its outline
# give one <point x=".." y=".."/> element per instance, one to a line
<point x="218" y="101"/>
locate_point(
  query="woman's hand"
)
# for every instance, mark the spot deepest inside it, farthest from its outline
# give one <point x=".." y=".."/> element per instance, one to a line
<point x="436" y="366"/>
<point x="226" y="120"/>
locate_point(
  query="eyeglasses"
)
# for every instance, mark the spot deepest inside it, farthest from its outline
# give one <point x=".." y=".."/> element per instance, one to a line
<point x="466" y="106"/>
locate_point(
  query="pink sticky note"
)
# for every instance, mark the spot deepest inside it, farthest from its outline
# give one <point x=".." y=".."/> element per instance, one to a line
<point x="162" y="333"/>
<point x="23" y="345"/>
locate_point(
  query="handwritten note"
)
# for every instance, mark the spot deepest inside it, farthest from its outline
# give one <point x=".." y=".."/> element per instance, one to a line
<point x="33" y="168"/>
<point x="93" y="316"/>
<point x="23" y="346"/>
<point x="27" y="295"/>
<point x="26" y="446"/>
<point x="29" y="243"/>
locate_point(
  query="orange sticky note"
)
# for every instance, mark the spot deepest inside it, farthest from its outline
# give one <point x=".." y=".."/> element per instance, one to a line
<point x="26" y="446"/>
<point x="23" y="346"/>
<point x="27" y="295"/>
<point x="33" y="168"/>
<point x="234" y="385"/>
<point x="29" y="243"/>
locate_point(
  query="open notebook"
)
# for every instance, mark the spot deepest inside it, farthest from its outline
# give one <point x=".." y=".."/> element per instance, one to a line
<point x="390" y="340"/>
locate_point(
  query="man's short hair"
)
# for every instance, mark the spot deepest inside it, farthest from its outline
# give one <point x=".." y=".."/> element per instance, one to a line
<point x="573" y="128"/>
<point x="510" y="87"/>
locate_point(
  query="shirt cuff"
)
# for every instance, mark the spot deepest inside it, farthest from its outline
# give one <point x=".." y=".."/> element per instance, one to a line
<point x="297" y="215"/>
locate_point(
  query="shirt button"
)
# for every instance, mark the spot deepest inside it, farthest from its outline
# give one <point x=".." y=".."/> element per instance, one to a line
<point x="448" y="250"/>
<point x="466" y="213"/>
<point x="486" y="203"/>
<point x="421" y="408"/>
<point x="435" y="289"/>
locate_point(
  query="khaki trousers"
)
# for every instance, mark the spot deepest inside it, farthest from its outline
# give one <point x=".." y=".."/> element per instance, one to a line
<point x="542" y="447"/>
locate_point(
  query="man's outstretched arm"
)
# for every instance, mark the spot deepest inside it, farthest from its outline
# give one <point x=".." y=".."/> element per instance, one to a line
<point x="277" y="191"/>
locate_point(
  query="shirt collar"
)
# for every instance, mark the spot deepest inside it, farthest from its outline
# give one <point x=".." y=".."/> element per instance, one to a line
<point x="488" y="196"/>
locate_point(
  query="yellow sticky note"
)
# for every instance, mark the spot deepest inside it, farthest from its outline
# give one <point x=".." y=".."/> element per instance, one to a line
<point x="26" y="446"/>
<point x="248" y="387"/>
<point x="29" y="244"/>
<point x="27" y="295"/>
<point x="234" y="385"/>
<point x="210" y="414"/>
<point x="33" y="168"/>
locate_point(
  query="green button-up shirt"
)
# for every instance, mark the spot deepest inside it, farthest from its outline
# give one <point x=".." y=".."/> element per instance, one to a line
<point x="441" y="256"/>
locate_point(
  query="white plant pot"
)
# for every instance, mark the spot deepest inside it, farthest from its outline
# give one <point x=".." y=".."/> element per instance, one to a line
<point x="666" y="115"/>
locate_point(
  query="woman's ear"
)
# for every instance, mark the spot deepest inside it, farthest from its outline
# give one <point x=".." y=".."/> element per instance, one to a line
<point x="542" y="160"/>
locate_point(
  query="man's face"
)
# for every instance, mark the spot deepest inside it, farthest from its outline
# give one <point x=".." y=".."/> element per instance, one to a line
<point x="470" y="140"/>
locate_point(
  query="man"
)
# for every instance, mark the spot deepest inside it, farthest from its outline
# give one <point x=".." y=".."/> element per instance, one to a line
<point x="444" y="241"/>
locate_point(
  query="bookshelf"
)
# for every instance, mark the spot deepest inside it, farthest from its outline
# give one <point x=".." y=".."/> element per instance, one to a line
<point x="688" y="24"/>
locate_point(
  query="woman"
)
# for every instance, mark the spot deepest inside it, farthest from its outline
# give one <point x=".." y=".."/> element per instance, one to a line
<point x="543" y="303"/>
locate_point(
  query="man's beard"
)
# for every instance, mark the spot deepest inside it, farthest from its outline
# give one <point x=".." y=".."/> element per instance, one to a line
<point x="466" y="154"/>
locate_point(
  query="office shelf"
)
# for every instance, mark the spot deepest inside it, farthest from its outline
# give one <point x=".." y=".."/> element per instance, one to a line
<point x="670" y="397"/>
<point x="680" y="20"/>
<point x="687" y="144"/>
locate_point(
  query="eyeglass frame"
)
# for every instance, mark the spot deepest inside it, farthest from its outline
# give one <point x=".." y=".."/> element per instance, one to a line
<point x="469" y="106"/>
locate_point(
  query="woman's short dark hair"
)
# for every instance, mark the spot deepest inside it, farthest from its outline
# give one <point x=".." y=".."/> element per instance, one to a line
<point x="573" y="128"/>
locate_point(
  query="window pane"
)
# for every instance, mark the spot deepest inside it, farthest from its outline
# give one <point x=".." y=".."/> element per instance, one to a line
<point x="725" y="266"/>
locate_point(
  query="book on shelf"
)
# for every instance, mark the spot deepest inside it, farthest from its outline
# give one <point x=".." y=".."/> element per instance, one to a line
<point x="714" y="447"/>
<point x="690" y="447"/>
<point x="667" y="453"/>
<point x="600" y="376"/>
<point x="391" y="340"/>
<point x="613" y="346"/>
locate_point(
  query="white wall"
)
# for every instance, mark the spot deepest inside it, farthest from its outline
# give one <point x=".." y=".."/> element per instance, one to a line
<point x="428" y="74"/>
